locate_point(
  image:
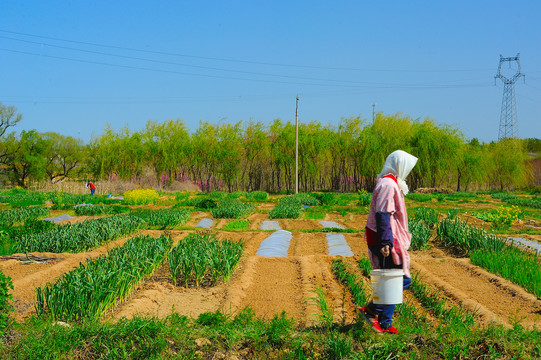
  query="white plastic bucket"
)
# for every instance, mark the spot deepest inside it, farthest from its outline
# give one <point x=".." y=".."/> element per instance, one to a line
<point x="387" y="286"/>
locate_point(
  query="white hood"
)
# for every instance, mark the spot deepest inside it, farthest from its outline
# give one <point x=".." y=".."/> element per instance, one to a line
<point x="399" y="163"/>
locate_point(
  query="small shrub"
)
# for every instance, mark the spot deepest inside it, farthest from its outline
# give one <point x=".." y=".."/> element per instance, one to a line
<point x="365" y="198"/>
<point x="324" y="198"/>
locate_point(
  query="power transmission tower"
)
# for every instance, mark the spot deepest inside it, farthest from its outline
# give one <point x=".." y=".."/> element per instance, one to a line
<point x="508" y="115"/>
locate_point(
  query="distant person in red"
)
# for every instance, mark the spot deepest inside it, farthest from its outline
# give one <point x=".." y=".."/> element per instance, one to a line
<point x="92" y="187"/>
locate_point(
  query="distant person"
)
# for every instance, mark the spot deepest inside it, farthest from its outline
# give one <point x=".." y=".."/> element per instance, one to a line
<point x="387" y="234"/>
<point x="92" y="187"/>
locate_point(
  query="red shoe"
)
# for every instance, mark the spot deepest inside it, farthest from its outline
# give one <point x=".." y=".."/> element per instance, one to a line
<point x="371" y="319"/>
<point x="391" y="330"/>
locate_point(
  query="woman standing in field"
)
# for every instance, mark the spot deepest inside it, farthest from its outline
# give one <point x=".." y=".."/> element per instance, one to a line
<point x="387" y="234"/>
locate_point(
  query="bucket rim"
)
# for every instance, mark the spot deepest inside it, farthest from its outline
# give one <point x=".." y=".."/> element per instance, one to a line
<point x="387" y="272"/>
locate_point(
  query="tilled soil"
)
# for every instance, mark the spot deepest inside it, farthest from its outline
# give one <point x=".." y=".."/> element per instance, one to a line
<point x="270" y="285"/>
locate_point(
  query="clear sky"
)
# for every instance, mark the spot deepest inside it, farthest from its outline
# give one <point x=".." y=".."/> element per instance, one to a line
<point x="73" y="66"/>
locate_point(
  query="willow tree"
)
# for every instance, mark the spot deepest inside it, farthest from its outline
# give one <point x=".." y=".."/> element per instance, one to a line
<point x="256" y="145"/>
<point x="438" y="149"/>
<point x="229" y="153"/>
<point x="507" y="164"/>
<point x="165" y="148"/>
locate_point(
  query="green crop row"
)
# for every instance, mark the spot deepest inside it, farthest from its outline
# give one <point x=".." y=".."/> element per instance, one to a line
<point x="66" y="201"/>
<point x="518" y="200"/>
<point x="237" y="225"/>
<point x="81" y="236"/>
<point x="357" y="287"/>
<point x="306" y="199"/>
<point x="288" y="207"/>
<point x="494" y="254"/>
<point x="22" y="198"/>
<point x="11" y="216"/>
<point x="94" y="287"/>
<point x="420" y="234"/>
<point x="163" y="218"/>
<point x="100" y="210"/>
<point x="430" y="217"/>
<point x="203" y="259"/>
<point x="232" y="209"/>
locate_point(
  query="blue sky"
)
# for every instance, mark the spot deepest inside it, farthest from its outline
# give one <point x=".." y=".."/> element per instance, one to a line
<point x="74" y="66"/>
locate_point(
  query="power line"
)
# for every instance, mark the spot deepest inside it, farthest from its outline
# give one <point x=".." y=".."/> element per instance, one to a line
<point x="240" y="60"/>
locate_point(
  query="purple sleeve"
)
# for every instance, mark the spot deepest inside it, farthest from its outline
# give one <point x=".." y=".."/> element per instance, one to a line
<point x="383" y="229"/>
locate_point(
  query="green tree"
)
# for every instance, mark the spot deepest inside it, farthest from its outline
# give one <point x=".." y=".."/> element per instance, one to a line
<point x="25" y="160"/>
<point x="63" y="155"/>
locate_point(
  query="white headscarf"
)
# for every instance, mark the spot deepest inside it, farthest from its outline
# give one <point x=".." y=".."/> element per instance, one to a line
<point x="399" y="163"/>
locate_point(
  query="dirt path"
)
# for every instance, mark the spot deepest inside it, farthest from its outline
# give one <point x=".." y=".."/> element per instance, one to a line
<point x="495" y="299"/>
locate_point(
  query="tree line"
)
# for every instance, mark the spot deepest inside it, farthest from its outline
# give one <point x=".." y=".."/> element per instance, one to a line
<point x="254" y="156"/>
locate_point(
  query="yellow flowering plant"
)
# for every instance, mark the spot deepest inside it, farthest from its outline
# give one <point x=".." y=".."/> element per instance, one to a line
<point x="141" y="196"/>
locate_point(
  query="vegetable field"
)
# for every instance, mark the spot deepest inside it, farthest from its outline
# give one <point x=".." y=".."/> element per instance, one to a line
<point x="474" y="294"/>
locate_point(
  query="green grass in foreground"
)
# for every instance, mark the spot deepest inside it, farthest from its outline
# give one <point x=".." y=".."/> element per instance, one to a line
<point x="245" y="336"/>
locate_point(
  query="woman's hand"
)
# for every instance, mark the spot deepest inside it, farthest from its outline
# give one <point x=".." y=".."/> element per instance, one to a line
<point x="385" y="251"/>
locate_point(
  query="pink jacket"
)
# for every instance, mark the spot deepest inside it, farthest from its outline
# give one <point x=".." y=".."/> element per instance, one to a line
<point x="387" y="197"/>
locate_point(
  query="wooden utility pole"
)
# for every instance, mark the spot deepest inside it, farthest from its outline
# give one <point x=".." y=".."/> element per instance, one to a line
<point x="297" y="146"/>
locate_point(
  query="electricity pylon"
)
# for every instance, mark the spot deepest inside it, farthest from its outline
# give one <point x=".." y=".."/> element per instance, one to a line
<point x="508" y="115"/>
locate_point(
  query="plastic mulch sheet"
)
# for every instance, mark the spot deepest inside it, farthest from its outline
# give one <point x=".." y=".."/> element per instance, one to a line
<point x="80" y="205"/>
<point x="270" y="225"/>
<point x="331" y="224"/>
<point x="276" y="245"/>
<point x="338" y="245"/>
<point x="58" y="218"/>
<point x="524" y="243"/>
<point x="205" y="223"/>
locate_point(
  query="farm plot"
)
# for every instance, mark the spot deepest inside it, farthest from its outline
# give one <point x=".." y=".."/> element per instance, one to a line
<point x="272" y="285"/>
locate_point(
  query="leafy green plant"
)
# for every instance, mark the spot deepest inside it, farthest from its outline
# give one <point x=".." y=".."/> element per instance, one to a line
<point x="288" y="207"/>
<point x="163" y="218"/>
<point x="356" y="286"/>
<point x="5" y="306"/>
<point x="257" y="196"/>
<point x="237" y="225"/>
<point x="100" y="210"/>
<point x="365" y="198"/>
<point x="325" y="198"/>
<point x="420" y="234"/>
<point x="232" y="209"/>
<point x="11" y="216"/>
<point x="89" y="290"/>
<point x="428" y="216"/>
<point x="81" y="236"/>
<point x="365" y="266"/>
<point x="419" y="197"/>
<point x="505" y="217"/>
<point x="306" y="199"/>
<point x="327" y="313"/>
<point x="204" y="259"/>
<point x="140" y="196"/>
